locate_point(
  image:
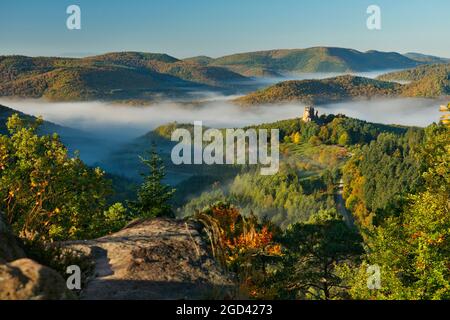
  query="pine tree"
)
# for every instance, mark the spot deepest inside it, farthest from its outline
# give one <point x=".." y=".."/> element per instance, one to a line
<point x="153" y="196"/>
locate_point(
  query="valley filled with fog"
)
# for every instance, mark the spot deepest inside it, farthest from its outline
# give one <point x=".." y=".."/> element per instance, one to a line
<point x="105" y="127"/>
<point x="321" y="75"/>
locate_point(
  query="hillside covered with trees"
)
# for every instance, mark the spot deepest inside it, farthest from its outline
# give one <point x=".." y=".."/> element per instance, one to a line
<point x="139" y="76"/>
<point x="425" y="81"/>
<point x="316" y="59"/>
<point x="282" y="236"/>
<point x="114" y="76"/>
<point x="322" y="91"/>
<point x="430" y="81"/>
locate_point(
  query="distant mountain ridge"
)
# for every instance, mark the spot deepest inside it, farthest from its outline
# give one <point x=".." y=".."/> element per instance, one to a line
<point x="315" y="59"/>
<point x="113" y="76"/>
<point x="127" y="76"/>
<point x="426" y="58"/>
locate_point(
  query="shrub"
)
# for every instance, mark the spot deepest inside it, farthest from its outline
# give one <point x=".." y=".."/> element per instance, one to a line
<point x="46" y="194"/>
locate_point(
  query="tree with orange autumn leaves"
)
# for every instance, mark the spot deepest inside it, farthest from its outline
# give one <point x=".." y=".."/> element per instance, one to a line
<point x="242" y="245"/>
<point x="270" y="263"/>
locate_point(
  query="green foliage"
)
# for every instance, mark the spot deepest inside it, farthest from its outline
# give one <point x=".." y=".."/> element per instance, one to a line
<point x="45" y="194"/>
<point x="397" y="188"/>
<point x="165" y="131"/>
<point x="434" y="154"/>
<point x="426" y="81"/>
<point x="202" y="202"/>
<point x="358" y="131"/>
<point x="413" y="248"/>
<point x="317" y="59"/>
<point x="321" y="91"/>
<point x="283" y="198"/>
<point x="314" y="250"/>
<point x="115" y="218"/>
<point x="280" y="198"/>
<point x="113" y="76"/>
<point x="307" y="177"/>
<point x="379" y="176"/>
<point x="344" y="139"/>
<point x="153" y="196"/>
<point x="286" y="240"/>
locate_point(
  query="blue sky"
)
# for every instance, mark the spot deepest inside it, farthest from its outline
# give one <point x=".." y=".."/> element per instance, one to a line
<point x="186" y="28"/>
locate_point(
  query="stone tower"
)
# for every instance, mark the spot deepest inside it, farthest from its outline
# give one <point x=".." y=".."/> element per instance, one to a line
<point x="310" y="114"/>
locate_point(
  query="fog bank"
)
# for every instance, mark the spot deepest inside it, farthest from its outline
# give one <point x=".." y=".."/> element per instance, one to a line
<point x="107" y="126"/>
<point x="404" y="111"/>
<point x="125" y="122"/>
<point x="320" y="75"/>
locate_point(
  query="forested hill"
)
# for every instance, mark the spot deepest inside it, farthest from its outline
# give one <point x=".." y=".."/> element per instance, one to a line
<point x="427" y="81"/>
<point x="331" y="129"/>
<point x="426" y="58"/>
<point x="431" y="81"/>
<point x="146" y="76"/>
<point x="322" y="91"/>
<point x="316" y="59"/>
<point x="114" y="76"/>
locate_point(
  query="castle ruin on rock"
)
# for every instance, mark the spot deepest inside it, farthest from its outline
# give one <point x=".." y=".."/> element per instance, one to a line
<point x="310" y="114"/>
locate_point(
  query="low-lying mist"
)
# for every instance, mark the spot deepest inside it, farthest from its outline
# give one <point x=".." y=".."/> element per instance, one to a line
<point x="121" y="122"/>
<point x="403" y="111"/>
<point x="111" y="125"/>
<point x="320" y="75"/>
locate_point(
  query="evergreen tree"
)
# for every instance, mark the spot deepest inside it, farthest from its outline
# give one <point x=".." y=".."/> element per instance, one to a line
<point x="153" y="196"/>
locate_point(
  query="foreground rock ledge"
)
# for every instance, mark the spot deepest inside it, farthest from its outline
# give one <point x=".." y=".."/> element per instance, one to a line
<point x="25" y="279"/>
<point x="154" y="259"/>
<point x="10" y="248"/>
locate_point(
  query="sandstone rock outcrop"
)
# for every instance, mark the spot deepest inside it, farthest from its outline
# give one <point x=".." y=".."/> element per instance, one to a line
<point x="154" y="259"/>
<point x="10" y="248"/>
<point x="25" y="279"/>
